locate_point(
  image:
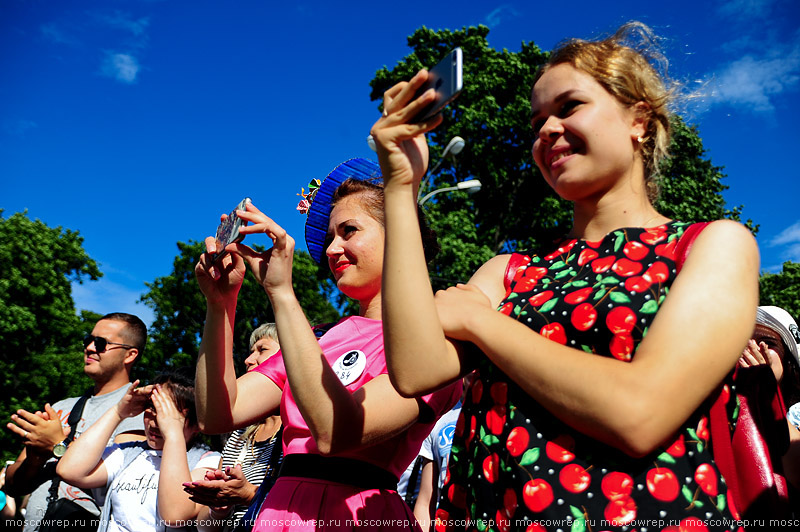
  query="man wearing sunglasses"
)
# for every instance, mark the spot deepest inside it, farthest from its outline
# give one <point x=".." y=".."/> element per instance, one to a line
<point x="109" y="353"/>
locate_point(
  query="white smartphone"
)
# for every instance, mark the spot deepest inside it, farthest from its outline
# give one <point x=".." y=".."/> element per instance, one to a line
<point x="446" y="79"/>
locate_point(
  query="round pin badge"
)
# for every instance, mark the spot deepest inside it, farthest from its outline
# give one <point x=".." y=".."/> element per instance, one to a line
<point x="350" y="366"/>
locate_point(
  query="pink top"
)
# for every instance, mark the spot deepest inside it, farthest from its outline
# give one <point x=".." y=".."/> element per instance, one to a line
<point x="354" y="349"/>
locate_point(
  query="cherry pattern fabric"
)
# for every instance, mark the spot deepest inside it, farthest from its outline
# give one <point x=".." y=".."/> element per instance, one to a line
<point x="515" y="466"/>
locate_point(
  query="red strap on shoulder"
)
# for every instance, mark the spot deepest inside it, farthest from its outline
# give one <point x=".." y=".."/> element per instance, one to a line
<point x="685" y="243"/>
<point x="514" y="263"/>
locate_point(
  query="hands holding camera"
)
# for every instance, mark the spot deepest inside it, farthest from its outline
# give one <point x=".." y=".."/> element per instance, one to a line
<point x="221" y="280"/>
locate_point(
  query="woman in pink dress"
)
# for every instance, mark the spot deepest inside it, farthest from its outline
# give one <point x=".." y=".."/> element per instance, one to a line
<point x="348" y="433"/>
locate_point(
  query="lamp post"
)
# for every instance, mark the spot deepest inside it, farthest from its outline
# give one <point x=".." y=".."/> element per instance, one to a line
<point x="470" y="185"/>
<point x="455" y="146"/>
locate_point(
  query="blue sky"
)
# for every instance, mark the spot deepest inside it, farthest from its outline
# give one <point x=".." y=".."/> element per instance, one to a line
<point x="137" y="122"/>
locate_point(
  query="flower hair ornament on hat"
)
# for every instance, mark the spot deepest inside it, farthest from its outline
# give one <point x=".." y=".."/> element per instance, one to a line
<point x="781" y="322"/>
<point x="317" y="203"/>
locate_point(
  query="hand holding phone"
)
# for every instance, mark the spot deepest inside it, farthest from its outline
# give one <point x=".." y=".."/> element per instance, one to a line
<point x="228" y="230"/>
<point x="446" y="79"/>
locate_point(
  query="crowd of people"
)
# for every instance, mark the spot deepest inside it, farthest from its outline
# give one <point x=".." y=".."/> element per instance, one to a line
<point x="572" y="385"/>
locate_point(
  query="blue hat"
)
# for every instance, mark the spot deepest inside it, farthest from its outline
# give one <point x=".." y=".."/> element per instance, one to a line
<point x="319" y="212"/>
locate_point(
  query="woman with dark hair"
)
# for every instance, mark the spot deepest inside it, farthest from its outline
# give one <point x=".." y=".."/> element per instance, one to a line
<point x="348" y="434"/>
<point x="589" y="406"/>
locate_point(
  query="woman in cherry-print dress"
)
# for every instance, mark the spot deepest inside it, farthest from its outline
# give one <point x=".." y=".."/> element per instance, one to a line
<point x="589" y="406"/>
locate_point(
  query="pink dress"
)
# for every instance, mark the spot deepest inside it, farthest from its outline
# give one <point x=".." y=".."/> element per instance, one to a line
<point x="354" y="349"/>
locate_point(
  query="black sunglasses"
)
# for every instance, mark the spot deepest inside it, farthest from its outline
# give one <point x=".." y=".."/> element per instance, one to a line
<point x="101" y="343"/>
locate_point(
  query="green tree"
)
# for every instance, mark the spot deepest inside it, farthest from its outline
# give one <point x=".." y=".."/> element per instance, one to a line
<point x="782" y="289"/>
<point x="180" y="310"/>
<point x="515" y="208"/>
<point x="41" y="355"/>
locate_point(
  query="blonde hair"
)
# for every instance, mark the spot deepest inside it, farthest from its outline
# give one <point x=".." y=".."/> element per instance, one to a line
<point x="627" y="65"/>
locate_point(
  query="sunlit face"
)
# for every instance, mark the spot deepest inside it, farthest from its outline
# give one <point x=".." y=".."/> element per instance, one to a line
<point x="355" y="251"/>
<point x="104" y="365"/>
<point x="262" y="350"/>
<point x="155" y="440"/>
<point x="584" y="138"/>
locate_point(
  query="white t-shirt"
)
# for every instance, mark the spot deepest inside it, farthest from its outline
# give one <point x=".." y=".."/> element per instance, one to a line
<point x="133" y="491"/>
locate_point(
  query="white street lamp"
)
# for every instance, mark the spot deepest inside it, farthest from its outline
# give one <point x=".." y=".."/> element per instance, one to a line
<point x="470" y="185"/>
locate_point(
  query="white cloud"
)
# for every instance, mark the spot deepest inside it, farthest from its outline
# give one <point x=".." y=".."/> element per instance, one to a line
<point x="789" y="238"/>
<point x="122" y="67"/>
<point x="104" y="296"/>
<point x="56" y="34"/>
<point x="500" y="13"/>
<point x="746" y="9"/>
<point x="754" y="81"/>
<point x="123" y="21"/>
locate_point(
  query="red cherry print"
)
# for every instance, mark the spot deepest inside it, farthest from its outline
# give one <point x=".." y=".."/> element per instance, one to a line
<point x="535" y="527"/>
<point x="555" y="332"/>
<point x="637" y="283"/>
<point x="499" y="392"/>
<point x="626" y="268"/>
<point x="702" y="429"/>
<point x="620" y="511"/>
<point x="635" y="250"/>
<point x="517" y="442"/>
<point x="535" y="272"/>
<point x="541" y="298"/>
<point x="616" y="484"/>
<point x="678" y="447"/>
<point x="653" y="236"/>
<point x="586" y="256"/>
<point x="503" y="523"/>
<point x="657" y="272"/>
<point x="505" y="514"/>
<point x="621" y="347"/>
<point x="706" y="478"/>
<point x="574" y="478"/>
<point x="621" y="320"/>
<point x="537" y="494"/>
<point x="561" y="449"/>
<point x="563" y="249"/>
<point x="663" y="484"/>
<point x="601" y="265"/>
<point x="472" y="426"/>
<point x="578" y="296"/>
<point x="460" y="424"/>
<point x="491" y="467"/>
<point x="667" y="250"/>
<point x="443" y="521"/>
<point x="525" y="285"/>
<point x="507" y="308"/>
<point x="477" y="390"/>
<point x="457" y="495"/>
<point x="725" y="394"/>
<point x="496" y="419"/>
<point x="583" y="316"/>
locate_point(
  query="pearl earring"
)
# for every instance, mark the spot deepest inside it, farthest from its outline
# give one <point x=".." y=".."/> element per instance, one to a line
<point x="639" y="140"/>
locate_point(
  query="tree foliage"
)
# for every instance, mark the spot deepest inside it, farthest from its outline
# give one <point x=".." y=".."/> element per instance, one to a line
<point x="515" y="208"/>
<point x="782" y="289"/>
<point x="180" y="310"/>
<point x="41" y="355"/>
